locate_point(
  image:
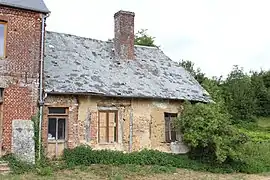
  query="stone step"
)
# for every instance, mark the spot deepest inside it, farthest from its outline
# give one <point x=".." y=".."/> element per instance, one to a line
<point x="3" y="162"/>
<point x="4" y="168"/>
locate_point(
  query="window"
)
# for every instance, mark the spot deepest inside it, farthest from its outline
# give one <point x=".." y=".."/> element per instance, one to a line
<point x="170" y="133"/>
<point x="107" y="127"/>
<point x="1" y="94"/>
<point x="3" y="34"/>
<point x="57" y="123"/>
<point x="57" y="110"/>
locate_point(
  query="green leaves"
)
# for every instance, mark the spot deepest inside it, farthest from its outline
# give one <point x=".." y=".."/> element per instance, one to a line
<point x="143" y="39"/>
<point x="239" y="95"/>
<point x="196" y="73"/>
<point x="207" y="128"/>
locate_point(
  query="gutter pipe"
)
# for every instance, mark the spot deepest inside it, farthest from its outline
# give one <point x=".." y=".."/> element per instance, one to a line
<point x="41" y="99"/>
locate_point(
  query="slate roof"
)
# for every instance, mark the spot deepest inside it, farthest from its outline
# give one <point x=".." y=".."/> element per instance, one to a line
<point x="81" y="65"/>
<point x="33" y="5"/>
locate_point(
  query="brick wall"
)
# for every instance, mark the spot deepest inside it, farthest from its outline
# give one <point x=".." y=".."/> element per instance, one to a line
<point x="72" y="125"/>
<point x="124" y="34"/>
<point x="19" y="70"/>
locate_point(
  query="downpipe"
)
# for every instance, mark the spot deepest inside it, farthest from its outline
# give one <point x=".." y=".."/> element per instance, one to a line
<point x="41" y="99"/>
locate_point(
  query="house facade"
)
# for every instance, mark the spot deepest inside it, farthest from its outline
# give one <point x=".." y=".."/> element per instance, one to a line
<point x="107" y="94"/>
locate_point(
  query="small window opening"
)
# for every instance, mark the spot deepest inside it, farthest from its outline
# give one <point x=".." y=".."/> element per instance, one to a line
<point x="57" y="110"/>
<point x="1" y="95"/>
<point x="57" y="123"/>
<point x="170" y="131"/>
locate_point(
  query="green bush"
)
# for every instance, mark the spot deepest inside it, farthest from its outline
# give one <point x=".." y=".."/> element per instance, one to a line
<point x="255" y="157"/>
<point x="85" y="156"/>
<point x="45" y="171"/>
<point x="208" y="132"/>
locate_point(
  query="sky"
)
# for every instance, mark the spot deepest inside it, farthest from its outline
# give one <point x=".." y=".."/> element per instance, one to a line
<point x="214" y="34"/>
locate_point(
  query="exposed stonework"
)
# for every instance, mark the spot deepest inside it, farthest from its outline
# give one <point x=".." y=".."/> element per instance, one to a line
<point x="148" y="123"/>
<point x="19" y="70"/>
<point x="23" y="144"/>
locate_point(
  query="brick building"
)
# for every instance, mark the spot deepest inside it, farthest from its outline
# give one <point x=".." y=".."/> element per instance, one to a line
<point x="108" y="94"/>
<point x="20" y="56"/>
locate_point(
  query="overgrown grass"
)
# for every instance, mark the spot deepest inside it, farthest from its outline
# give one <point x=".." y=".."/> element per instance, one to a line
<point x="256" y="136"/>
<point x="255" y="154"/>
<point x="17" y="166"/>
<point x="255" y="157"/>
<point x="84" y="155"/>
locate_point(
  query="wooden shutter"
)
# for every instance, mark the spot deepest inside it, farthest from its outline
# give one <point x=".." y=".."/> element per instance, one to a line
<point x="112" y="126"/>
<point x="103" y="127"/>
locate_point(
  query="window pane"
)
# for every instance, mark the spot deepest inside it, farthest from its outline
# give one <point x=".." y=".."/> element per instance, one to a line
<point x="170" y="133"/>
<point x="61" y="128"/>
<point x="173" y="136"/>
<point x="2" y="39"/>
<point x="52" y="128"/>
<point x="57" y="110"/>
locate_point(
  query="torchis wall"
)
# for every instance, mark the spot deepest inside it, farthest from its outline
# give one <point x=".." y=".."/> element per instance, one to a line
<point x="107" y="123"/>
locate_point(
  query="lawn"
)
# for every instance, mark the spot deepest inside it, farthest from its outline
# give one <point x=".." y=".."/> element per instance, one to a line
<point x="133" y="172"/>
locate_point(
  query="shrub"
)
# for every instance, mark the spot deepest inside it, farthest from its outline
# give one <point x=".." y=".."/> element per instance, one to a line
<point x="255" y="157"/>
<point x="45" y="171"/>
<point x="208" y="132"/>
<point x="85" y="156"/>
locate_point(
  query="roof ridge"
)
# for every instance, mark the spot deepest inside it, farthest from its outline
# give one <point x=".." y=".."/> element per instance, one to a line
<point x="108" y="41"/>
<point x="77" y="36"/>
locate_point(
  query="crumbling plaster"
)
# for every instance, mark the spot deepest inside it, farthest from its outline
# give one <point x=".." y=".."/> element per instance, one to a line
<point x="148" y="129"/>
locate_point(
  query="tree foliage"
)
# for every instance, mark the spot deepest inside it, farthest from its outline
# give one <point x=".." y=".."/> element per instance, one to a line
<point x="143" y="39"/>
<point x="196" y="73"/>
<point x="245" y="95"/>
<point x="207" y="128"/>
<point x="209" y="133"/>
<point x="239" y="95"/>
<point x="261" y="90"/>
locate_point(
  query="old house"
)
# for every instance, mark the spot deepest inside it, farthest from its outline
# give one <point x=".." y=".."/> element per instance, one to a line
<point x="107" y="94"/>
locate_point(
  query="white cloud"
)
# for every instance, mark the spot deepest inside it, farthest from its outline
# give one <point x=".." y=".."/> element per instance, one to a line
<point x="214" y="34"/>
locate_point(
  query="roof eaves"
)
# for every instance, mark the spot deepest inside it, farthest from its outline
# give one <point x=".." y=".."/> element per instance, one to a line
<point x="45" y="11"/>
<point x="119" y="96"/>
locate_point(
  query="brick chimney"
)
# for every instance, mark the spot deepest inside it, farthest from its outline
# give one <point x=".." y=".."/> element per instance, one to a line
<point x="124" y="34"/>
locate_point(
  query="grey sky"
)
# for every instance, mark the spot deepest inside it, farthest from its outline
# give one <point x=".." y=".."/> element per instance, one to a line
<point x="215" y="34"/>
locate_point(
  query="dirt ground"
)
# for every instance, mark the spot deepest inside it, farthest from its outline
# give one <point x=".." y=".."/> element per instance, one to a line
<point x="116" y="173"/>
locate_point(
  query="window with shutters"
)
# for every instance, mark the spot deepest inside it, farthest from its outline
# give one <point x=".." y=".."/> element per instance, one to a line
<point x="108" y="126"/>
<point x="170" y="132"/>
<point x="57" y="123"/>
